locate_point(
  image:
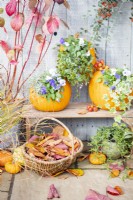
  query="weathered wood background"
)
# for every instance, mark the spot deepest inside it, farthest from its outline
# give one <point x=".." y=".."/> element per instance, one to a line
<point x="116" y="51"/>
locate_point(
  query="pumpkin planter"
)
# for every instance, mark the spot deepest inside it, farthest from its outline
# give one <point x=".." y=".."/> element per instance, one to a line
<point x="42" y="104"/>
<point x="97" y="90"/>
<point x="97" y="158"/>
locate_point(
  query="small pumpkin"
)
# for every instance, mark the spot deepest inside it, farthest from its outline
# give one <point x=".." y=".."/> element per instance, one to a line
<point x="42" y="104"/>
<point x="5" y="156"/>
<point x="18" y="155"/>
<point x="97" y="158"/>
<point x="12" y="167"/>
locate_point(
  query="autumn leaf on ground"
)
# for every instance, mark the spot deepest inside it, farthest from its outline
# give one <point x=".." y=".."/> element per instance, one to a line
<point x="82" y="157"/>
<point x="119" y="189"/>
<point x="130" y="174"/>
<point x="114" y="173"/>
<point x="76" y="172"/>
<point x="83" y="111"/>
<point x="113" y="191"/>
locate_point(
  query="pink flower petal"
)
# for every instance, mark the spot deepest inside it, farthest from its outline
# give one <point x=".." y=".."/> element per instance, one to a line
<point x="51" y="24"/>
<point x="17" y="21"/>
<point x="13" y="62"/>
<point x="11" y="7"/>
<point x="4" y="46"/>
<point x="112" y="191"/>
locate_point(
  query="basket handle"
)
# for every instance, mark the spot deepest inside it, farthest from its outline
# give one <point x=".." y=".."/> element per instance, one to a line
<point x="59" y="122"/>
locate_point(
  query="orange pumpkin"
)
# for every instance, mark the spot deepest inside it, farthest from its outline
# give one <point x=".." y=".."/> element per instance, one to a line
<point x="97" y="158"/>
<point x="97" y="90"/>
<point x="12" y="167"/>
<point x="5" y="156"/>
<point x="42" y="104"/>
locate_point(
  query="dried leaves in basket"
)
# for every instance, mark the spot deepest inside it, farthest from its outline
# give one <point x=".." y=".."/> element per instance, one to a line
<point x="52" y="146"/>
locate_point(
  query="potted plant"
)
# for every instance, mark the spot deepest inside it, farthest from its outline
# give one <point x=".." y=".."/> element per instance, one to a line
<point x="112" y="89"/>
<point x="114" y="141"/>
<point x="76" y="57"/>
<point x="50" y="92"/>
<point x="36" y="21"/>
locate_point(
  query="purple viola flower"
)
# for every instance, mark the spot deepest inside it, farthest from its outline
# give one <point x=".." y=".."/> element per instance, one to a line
<point x="57" y="87"/>
<point x="102" y="71"/>
<point x="117" y="76"/>
<point x="43" y="90"/>
<point x="62" y="41"/>
<point x="52" y="83"/>
<point x="113" y="88"/>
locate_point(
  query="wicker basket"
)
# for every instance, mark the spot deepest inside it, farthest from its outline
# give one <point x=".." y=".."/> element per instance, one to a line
<point x="48" y="168"/>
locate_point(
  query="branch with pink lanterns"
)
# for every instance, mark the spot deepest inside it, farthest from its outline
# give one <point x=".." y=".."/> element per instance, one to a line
<point x="40" y="23"/>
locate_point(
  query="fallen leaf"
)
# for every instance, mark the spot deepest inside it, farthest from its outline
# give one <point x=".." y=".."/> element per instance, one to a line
<point x="112" y="191"/>
<point x="36" y="153"/>
<point x="119" y="189"/>
<point x="82" y="157"/>
<point x="93" y="195"/>
<point x="53" y="192"/>
<point x="45" y="140"/>
<point x="114" y="173"/>
<point x="83" y="111"/>
<point x="76" y="172"/>
<point x="130" y="174"/>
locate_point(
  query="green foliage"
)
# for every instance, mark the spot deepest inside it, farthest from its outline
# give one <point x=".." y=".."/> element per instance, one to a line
<point x="120" y="83"/>
<point x="75" y="60"/>
<point x="118" y="133"/>
<point x="50" y="85"/>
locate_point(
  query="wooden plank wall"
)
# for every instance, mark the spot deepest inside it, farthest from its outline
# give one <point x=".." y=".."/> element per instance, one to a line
<point x="116" y="51"/>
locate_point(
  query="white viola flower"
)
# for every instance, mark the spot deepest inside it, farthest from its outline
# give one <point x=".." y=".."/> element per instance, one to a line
<point x="62" y="82"/>
<point x="53" y="71"/>
<point x="48" y="78"/>
<point x="126" y="72"/>
<point x="88" y="53"/>
<point x="66" y="44"/>
<point x="81" y="42"/>
<point x="113" y="71"/>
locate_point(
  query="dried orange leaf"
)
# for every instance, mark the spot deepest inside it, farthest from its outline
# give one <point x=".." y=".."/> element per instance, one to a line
<point x="83" y="157"/>
<point x="130" y="174"/>
<point x="76" y="172"/>
<point x="40" y="149"/>
<point x="114" y="173"/>
<point x="45" y="140"/>
<point x="66" y="4"/>
<point x="83" y="111"/>
<point x="29" y="145"/>
<point x="60" y="152"/>
<point x="36" y="153"/>
<point x="119" y="189"/>
<point x="39" y="38"/>
<point x="65" y="133"/>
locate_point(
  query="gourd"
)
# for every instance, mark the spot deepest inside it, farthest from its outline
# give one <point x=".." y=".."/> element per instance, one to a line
<point x="42" y="104"/>
<point x="97" y="158"/>
<point x="12" y="167"/>
<point x="5" y="157"/>
<point x="18" y="155"/>
<point x="97" y="90"/>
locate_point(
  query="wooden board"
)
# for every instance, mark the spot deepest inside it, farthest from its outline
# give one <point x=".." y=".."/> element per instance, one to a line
<point x="71" y="112"/>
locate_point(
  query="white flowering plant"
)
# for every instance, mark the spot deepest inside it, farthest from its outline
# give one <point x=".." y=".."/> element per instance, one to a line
<point x="120" y="83"/>
<point x="50" y="85"/>
<point x="76" y="57"/>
